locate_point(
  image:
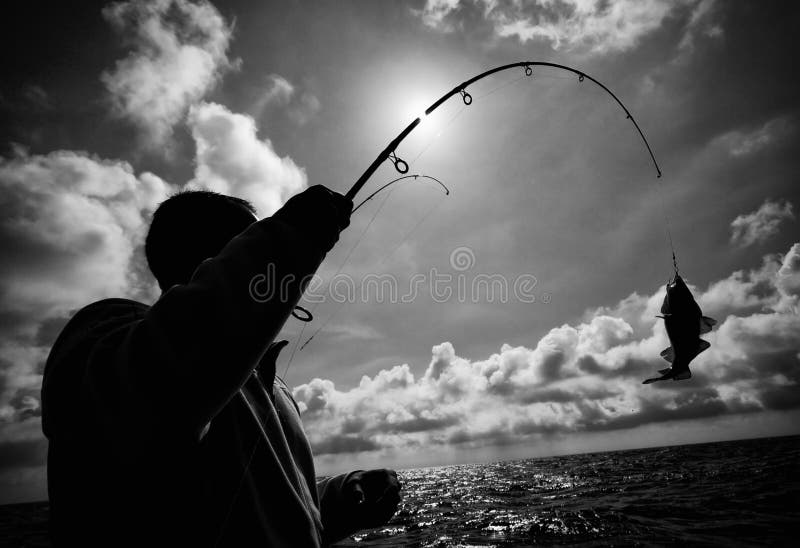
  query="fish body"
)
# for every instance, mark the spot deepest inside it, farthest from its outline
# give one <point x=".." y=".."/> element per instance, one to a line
<point x="685" y="323"/>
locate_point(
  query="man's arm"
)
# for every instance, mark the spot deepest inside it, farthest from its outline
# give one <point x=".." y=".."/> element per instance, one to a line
<point x="197" y="345"/>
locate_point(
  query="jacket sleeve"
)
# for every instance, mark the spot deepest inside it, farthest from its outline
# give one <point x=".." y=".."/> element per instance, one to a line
<point x="195" y="347"/>
<point x="337" y="521"/>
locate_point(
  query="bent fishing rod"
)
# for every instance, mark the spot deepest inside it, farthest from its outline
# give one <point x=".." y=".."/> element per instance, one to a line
<point x="402" y="167"/>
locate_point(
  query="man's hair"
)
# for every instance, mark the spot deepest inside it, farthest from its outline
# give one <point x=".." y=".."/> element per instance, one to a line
<point x="188" y="228"/>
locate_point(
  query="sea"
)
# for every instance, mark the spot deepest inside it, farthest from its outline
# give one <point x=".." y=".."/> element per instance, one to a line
<point x="734" y="493"/>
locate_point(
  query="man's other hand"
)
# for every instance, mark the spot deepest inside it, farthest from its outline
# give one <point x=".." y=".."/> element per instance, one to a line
<point x="373" y="496"/>
<point x="319" y="213"/>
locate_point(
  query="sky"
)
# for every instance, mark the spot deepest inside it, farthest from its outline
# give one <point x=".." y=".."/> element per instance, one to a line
<point x="108" y="108"/>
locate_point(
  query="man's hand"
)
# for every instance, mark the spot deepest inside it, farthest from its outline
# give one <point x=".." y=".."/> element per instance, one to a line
<point x="372" y="496"/>
<point x="319" y="213"/>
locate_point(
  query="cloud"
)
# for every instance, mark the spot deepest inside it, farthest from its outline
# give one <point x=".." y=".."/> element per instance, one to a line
<point x="280" y="92"/>
<point x="741" y="143"/>
<point x="178" y="52"/>
<point x="72" y="229"/>
<point x="231" y="159"/>
<point x="788" y="281"/>
<point x="72" y="232"/>
<point x="70" y="217"/>
<point x="598" y="26"/>
<point x="304" y="108"/>
<point x="760" y="225"/>
<point x="578" y="378"/>
<point x="30" y="97"/>
<point x="434" y="13"/>
<point x="595" y="26"/>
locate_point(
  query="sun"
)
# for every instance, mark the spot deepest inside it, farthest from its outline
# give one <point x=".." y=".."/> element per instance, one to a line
<point x="415" y="108"/>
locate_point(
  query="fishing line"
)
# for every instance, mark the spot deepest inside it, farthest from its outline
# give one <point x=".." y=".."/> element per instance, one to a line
<point x="389" y="153"/>
<point x="393" y="181"/>
<point x="501" y="86"/>
<point x="341" y="305"/>
<point x="358" y="242"/>
<point x="410" y="165"/>
<point x="438" y="134"/>
<point x="667" y="223"/>
<point x="338" y="271"/>
<point x="458" y="113"/>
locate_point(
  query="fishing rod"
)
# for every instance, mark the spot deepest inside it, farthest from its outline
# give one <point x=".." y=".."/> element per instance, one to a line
<point x="389" y="153"/>
<point x="402" y="166"/>
<point x="393" y="181"/>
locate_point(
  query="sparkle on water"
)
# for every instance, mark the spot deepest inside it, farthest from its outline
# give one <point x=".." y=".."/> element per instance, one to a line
<point x="741" y="492"/>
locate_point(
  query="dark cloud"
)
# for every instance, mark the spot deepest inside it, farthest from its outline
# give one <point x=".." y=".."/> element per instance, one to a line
<point x="422" y="424"/>
<point x="22" y="453"/>
<point x="698" y="404"/>
<point x="560" y="395"/>
<point x="26" y="403"/>
<point x="49" y="329"/>
<point x="344" y="444"/>
<point x="781" y="397"/>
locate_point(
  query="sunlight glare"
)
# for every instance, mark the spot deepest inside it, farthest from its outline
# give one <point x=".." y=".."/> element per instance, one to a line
<point x="415" y="108"/>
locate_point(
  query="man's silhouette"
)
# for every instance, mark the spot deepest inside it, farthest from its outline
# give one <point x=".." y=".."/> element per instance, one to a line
<point x="167" y="424"/>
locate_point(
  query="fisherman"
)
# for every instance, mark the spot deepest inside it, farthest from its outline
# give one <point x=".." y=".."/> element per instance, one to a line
<point x="167" y="424"/>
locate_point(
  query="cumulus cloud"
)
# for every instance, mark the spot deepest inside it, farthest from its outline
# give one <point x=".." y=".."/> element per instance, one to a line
<point x="231" y="159"/>
<point x="578" y="378"/>
<point x="277" y="90"/>
<point x="434" y="13"/>
<point x="71" y="229"/>
<point x="700" y="23"/>
<point x="280" y="92"/>
<point x="598" y="26"/>
<point x="760" y="225"/>
<point x="740" y="143"/>
<point x="178" y="51"/>
<point x="70" y="217"/>
<point x="595" y="26"/>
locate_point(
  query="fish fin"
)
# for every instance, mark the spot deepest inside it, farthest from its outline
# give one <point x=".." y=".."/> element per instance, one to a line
<point x="648" y="381"/>
<point x="706" y="324"/>
<point x="682" y="376"/>
<point x="702" y="346"/>
<point x="668" y="354"/>
<point x="665" y="371"/>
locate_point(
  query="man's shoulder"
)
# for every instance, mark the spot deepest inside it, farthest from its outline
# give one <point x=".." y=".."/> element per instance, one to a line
<point x="96" y="320"/>
<point x="114" y="304"/>
<point x="99" y="312"/>
<point x="68" y="356"/>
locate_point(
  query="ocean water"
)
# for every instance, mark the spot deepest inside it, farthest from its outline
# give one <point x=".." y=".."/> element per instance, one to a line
<point x="740" y="493"/>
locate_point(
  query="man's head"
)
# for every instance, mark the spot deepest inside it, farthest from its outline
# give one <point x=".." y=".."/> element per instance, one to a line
<point x="190" y="227"/>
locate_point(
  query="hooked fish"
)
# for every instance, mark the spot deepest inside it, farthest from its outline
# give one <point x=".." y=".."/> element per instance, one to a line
<point x="685" y="323"/>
